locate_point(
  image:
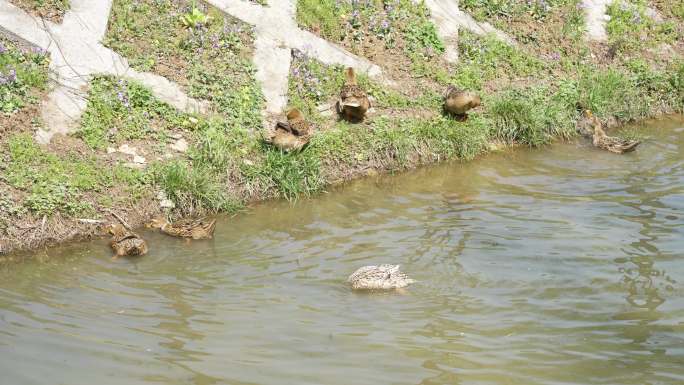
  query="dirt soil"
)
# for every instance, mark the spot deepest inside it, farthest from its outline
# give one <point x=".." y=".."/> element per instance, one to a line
<point x="50" y="13"/>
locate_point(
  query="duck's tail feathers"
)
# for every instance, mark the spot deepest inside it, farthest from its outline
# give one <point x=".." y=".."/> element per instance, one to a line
<point x="631" y="146"/>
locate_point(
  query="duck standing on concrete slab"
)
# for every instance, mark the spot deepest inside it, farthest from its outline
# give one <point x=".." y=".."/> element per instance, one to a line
<point x="603" y="141"/>
<point x="458" y="102"/>
<point x="189" y="228"/>
<point x="126" y="243"/>
<point x="354" y="103"/>
<point x="292" y="135"/>
<point x="383" y="277"/>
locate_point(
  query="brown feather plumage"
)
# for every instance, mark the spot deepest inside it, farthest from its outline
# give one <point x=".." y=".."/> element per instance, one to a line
<point x="188" y="228"/>
<point x="126" y="243"/>
<point x="354" y="103"/>
<point x="292" y="135"/>
<point x="459" y="102"/>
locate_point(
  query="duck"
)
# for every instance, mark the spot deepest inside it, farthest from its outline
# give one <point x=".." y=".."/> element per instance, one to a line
<point x="609" y="143"/>
<point x="292" y="135"/>
<point x="382" y="277"/>
<point x="458" y="102"/>
<point x="189" y="228"/>
<point x="354" y="103"/>
<point x="126" y="243"/>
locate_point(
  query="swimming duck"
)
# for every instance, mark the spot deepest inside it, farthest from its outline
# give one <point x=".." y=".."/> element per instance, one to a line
<point x="189" y="228"/>
<point x="126" y="243"/>
<point x="458" y="102"/>
<point x="354" y="102"/>
<point x="383" y="277"/>
<point x="292" y="135"/>
<point x="610" y="143"/>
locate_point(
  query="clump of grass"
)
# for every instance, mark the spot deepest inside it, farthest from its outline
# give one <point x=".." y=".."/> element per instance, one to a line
<point x="612" y="93"/>
<point x="194" y="189"/>
<point x="397" y="23"/>
<point x="492" y="9"/>
<point x="322" y="15"/>
<point x="50" y="9"/>
<point x="211" y="59"/>
<point x="57" y="182"/>
<point x="532" y="116"/>
<point x="485" y="58"/>
<point x="218" y="145"/>
<point x="288" y="174"/>
<point x="630" y="28"/>
<point x="22" y="74"/>
<point x="119" y="110"/>
<point x="482" y="59"/>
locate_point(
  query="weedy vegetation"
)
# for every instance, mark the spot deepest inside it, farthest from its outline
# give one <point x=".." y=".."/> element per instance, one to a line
<point x="50" y="9"/>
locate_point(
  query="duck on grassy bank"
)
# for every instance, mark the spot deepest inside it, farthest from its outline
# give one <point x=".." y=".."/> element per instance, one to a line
<point x="382" y="277"/>
<point x="354" y="103"/>
<point x="458" y="102"/>
<point x="126" y="243"/>
<point x="292" y="135"/>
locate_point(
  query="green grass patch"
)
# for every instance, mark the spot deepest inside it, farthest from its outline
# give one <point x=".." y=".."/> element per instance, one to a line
<point x="630" y="29"/>
<point x="22" y="74"/>
<point x="119" y="110"/>
<point x="209" y="53"/>
<point x="483" y="10"/>
<point x="400" y="23"/>
<point x="58" y="182"/>
<point x="194" y="189"/>
<point x="289" y="174"/>
<point x="482" y="59"/>
<point x="51" y="9"/>
<point x="532" y="116"/>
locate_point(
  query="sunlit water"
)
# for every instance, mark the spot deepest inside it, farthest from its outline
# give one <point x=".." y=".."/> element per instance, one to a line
<point x="556" y="266"/>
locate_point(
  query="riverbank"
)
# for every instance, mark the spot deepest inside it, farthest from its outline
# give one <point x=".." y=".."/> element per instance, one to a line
<point x="133" y="156"/>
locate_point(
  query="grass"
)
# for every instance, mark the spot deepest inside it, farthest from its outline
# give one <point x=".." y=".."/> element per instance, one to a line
<point x="120" y="111"/>
<point x="22" y="75"/>
<point x="211" y="58"/>
<point x="483" y="59"/>
<point x="51" y="9"/>
<point x="550" y="29"/>
<point x="57" y="182"/>
<point x="630" y="29"/>
<point x="533" y="116"/>
<point x="400" y="26"/>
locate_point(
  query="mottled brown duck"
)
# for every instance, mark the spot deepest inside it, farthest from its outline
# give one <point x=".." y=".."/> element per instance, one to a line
<point x="354" y="103"/>
<point x="458" y="102"/>
<point x="292" y="135"/>
<point x="188" y="228"/>
<point x="609" y="143"/>
<point x="126" y="243"/>
<point x="382" y="277"/>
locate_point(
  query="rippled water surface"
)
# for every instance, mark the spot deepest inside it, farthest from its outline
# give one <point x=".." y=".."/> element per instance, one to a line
<point x="557" y="266"/>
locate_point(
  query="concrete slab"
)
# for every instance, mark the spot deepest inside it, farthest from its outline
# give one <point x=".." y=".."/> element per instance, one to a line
<point x="449" y="19"/>
<point x="596" y="18"/>
<point x="277" y="33"/>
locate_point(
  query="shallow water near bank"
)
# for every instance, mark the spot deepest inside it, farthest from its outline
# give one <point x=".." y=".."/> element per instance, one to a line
<point x="562" y="265"/>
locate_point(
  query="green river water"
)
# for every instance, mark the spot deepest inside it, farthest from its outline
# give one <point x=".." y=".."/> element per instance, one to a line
<point x="563" y="265"/>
